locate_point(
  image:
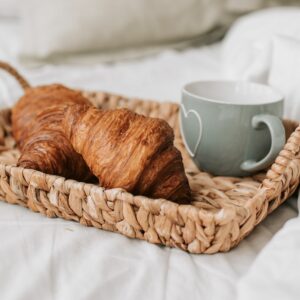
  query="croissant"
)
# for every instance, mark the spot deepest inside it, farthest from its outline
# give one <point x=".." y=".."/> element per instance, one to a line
<point x="127" y="150"/>
<point x="37" y="128"/>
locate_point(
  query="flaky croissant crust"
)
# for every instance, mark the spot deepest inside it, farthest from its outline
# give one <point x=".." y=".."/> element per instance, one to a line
<point x="37" y="127"/>
<point x="127" y="150"/>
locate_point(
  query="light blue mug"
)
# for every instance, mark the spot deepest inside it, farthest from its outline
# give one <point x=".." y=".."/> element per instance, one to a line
<point x="231" y="128"/>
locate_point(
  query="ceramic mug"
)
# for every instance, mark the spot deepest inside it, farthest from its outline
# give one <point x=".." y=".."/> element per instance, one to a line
<point x="231" y="128"/>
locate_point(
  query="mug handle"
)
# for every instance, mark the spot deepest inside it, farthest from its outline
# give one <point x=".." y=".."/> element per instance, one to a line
<point x="277" y="132"/>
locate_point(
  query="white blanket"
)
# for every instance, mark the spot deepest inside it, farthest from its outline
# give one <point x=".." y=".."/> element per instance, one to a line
<point x="272" y="56"/>
<point x="44" y="258"/>
<point x="275" y="272"/>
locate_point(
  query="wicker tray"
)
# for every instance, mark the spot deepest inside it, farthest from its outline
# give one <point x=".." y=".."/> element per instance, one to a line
<point x="224" y="211"/>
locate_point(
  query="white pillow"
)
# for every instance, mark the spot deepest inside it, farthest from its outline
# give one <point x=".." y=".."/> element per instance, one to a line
<point x="58" y="27"/>
<point x="285" y="73"/>
<point x="9" y="8"/>
<point x="246" y="49"/>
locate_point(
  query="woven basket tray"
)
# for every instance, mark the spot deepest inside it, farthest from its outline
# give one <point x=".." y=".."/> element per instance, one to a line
<point x="223" y="212"/>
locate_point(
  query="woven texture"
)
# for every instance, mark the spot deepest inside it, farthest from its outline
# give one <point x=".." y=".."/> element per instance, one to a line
<point x="223" y="212"/>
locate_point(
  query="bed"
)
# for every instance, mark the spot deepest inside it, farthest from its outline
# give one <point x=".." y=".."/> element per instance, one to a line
<point x="43" y="258"/>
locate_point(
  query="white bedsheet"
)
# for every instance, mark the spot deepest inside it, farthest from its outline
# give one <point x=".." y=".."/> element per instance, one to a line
<point x="271" y="56"/>
<point x="44" y="258"/>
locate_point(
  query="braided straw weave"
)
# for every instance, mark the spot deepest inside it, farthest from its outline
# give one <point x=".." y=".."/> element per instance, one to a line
<point x="223" y="212"/>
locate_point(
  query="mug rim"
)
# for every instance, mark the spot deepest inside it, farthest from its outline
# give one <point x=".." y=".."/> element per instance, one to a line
<point x="276" y="95"/>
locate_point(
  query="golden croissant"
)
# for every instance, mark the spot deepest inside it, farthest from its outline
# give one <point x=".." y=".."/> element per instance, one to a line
<point x="128" y="150"/>
<point x="59" y="132"/>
